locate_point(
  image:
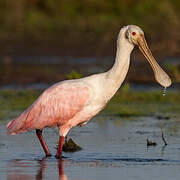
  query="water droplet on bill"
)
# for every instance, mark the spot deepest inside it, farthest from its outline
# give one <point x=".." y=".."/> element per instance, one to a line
<point x="164" y="91"/>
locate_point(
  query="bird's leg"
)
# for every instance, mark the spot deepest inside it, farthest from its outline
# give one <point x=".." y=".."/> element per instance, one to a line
<point x="60" y="146"/>
<point x="41" y="139"/>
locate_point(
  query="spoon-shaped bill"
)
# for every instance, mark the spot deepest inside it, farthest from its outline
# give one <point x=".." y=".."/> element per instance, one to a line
<point x="160" y="75"/>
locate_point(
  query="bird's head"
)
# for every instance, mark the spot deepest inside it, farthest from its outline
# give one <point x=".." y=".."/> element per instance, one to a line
<point x="134" y="35"/>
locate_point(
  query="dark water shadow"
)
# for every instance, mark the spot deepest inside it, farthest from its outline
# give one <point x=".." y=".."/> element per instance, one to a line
<point x="136" y="160"/>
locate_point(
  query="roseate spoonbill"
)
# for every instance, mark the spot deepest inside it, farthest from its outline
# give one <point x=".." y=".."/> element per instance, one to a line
<point x="74" y="102"/>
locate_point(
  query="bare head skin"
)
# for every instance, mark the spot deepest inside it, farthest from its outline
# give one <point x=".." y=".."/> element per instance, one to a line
<point x="135" y="35"/>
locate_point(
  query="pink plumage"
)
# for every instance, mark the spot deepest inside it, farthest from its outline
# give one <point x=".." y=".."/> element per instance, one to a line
<point x="55" y="107"/>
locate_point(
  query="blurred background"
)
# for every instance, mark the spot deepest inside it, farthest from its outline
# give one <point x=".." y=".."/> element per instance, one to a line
<point x="41" y="41"/>
<point x="45" y="41"/>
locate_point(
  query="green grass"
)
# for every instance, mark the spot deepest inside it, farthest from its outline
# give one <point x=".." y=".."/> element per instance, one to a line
<point x="13" y="102"/>
<point x="144" y="103"/>
<point x="124" y="103"/>
<point x="73" y="75"/>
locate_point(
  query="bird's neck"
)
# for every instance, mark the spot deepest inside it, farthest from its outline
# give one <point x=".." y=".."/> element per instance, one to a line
<point x="117" y="74"/>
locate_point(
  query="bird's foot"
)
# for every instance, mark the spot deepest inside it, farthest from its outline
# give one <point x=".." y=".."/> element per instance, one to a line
<point x="48" y="155"/>
<point x="58" y="156"/>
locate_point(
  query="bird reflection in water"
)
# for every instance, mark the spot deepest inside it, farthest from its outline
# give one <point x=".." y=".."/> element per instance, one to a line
<point x="43" y="166"/>
<point x="17" y="169"/>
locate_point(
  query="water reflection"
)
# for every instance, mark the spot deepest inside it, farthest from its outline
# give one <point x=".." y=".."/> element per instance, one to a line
<point x="16" y="169"/>
<point x="23" y="169"/>
<point x="62" y="176"/>
<point x="163" y="150"/>
<point x="42" y="168"/>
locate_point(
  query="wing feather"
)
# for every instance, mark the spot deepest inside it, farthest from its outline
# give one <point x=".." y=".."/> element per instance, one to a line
<point x="55" y="106"/>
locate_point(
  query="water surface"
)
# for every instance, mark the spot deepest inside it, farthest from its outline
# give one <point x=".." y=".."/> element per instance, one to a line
<point x="113" y="148"/>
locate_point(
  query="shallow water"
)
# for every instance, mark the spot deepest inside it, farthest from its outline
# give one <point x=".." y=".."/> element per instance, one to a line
<point x="113" y="148"/>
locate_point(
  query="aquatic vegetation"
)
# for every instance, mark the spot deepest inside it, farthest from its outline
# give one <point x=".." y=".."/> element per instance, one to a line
<point x="13" y="102"/>
<point x="123" y="104"/>
<point x="73" y="75"/>
<point x="138" y="103"/>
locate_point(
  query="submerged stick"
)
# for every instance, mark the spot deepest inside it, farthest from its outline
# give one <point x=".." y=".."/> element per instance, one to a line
<point x="165" y="142"/>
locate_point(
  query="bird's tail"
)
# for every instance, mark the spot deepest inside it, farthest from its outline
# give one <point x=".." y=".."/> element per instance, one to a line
<point x="10" y="127"/>
<point x="16" y="126"/>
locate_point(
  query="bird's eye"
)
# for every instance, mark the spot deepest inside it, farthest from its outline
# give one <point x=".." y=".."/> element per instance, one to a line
<point x="133" y="33"/>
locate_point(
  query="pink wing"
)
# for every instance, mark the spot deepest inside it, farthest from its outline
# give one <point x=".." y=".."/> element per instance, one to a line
<point x="55" y="106"/>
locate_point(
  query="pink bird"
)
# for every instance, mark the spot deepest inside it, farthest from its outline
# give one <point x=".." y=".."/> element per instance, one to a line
<point x="73" y="103"/>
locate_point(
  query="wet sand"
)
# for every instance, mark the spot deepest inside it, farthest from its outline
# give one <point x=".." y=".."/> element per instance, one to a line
<point x="113" y="148"/>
